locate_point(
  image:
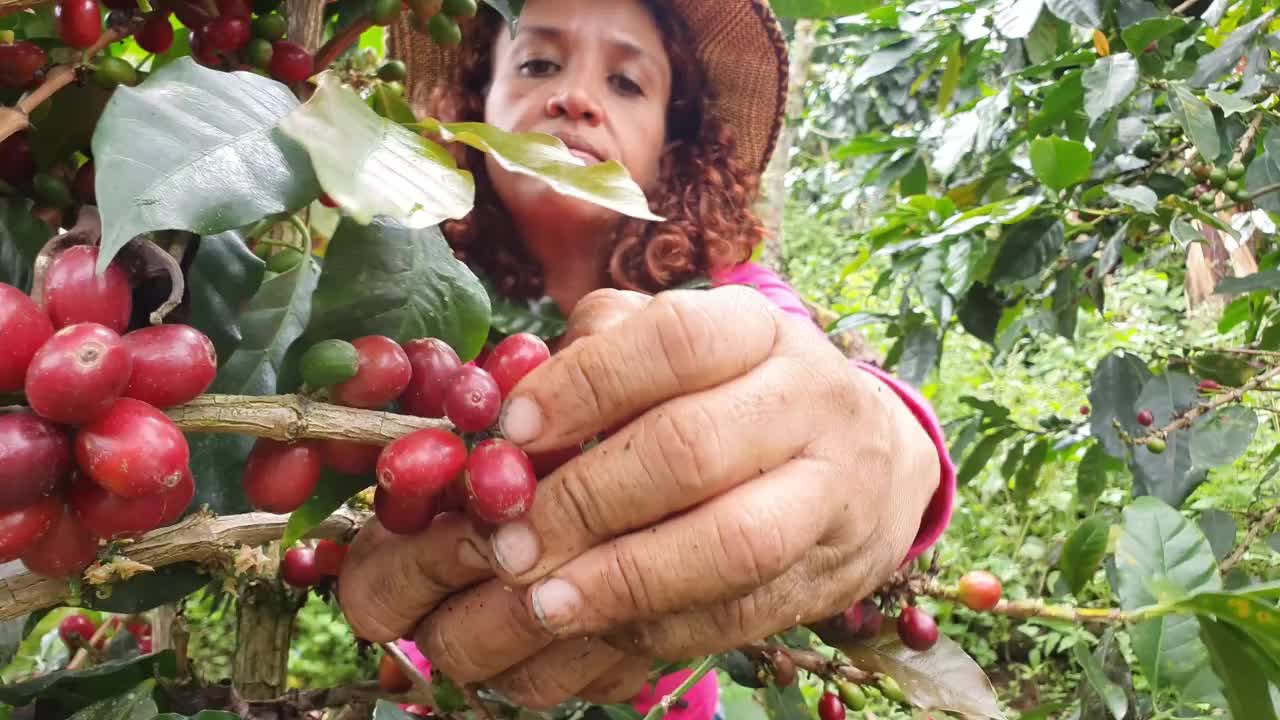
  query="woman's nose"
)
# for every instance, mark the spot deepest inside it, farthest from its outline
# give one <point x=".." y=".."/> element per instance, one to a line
<point x="575" y="101"/>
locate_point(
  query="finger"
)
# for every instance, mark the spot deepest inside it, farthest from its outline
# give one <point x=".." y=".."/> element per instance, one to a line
<point x="557" y="673"/>
<point x="724" y="548"/>
<point x="674" y="346"/>
<point x="619" y="683"/>
<point x="388" y="581"/>
<point x="599" y="311"/>
<point x="668" y="460"/>
<point x="478" y="634"/>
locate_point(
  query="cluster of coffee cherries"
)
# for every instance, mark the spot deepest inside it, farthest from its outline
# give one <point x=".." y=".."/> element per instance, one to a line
<point x="56" y="190"/>
<point x="92" y="457"/>
<point x="425" y="472"/>
<point x="309" y="565"/>
<point x="79" y="630"/>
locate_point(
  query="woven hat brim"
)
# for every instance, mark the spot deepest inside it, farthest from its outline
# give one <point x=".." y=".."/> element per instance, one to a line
<point x="739" y="42"/>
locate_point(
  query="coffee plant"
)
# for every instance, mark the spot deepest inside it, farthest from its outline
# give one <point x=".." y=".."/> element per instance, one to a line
<point x="233" y="332"/>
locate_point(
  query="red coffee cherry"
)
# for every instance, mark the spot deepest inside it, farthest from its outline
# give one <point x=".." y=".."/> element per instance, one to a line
<point x="472" y="399"/>
<point x="290" y="62"/>
<point x="109" y="516"/>
<point x="279" y="477"/>
<point x="65" y="551"/>
<point x="404" y="515"/>
<point x="300" y="569"/>
<point x="178" y="499"/>
<point x="500" y="481"/>
<point x="980" y="590"/>
<point x="75" y="293"/>
<point x="1145" y="418"/>
<point x="513" y="358"/>
<point x="78" y="374"/>
<point x="421" y="463"/>
<point x="22" y="529"/>
<point x="76" y="626"/>
<point x="350" y="458"/>
<point x="24" y="327"/>
<point x="133" y="450"/>
<point x="434" y="362"/>
<point x="329" y="557"/>
<point x="79" y="22"/>
<point x="156" y="35"/>
<point x="172" y="364"/>
<point x="35" y="459"/>
<point x="830" y="707"/>
<point x="234" y="8"/>
<point x="917" y="629"/>
<point x="384" y="372"/>
<point x="864" y="620"/>
<point x="1209" y="385"/>
<point x="20" y="64"/>
<point x="228" y="33"/>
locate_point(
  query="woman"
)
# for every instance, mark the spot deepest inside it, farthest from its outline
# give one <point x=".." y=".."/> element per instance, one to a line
<point x="753" y="477"/>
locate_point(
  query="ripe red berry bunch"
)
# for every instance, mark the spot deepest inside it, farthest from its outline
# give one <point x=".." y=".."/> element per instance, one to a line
<point x="306" y="567"/>
<point x="978" y="590"/>
<point x="94" y="457"/>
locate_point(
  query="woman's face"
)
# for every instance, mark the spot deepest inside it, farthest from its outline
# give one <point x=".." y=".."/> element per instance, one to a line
<point x="591" y="72"/>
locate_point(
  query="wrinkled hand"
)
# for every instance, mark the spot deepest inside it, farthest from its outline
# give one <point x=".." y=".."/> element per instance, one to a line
<point x="756" y="480"/>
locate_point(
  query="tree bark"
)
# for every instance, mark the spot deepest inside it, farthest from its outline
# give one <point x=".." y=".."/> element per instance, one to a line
<point x="264" y="629"/>
<point x="775" y="176"/>
<point x="306" y="22"/>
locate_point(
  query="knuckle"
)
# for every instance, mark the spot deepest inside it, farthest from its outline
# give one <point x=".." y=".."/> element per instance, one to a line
<point x="754" y="549"/>
<point x="528" y="688"/>
<point x="446" y="653"/>
<point x="688" y="447"/>
<point x="594" y="378"/>
<point x="735" y="621"/>
<point x="685" y="332"/>
<point x="577" y="505"/>
<point x="629" y="584"/>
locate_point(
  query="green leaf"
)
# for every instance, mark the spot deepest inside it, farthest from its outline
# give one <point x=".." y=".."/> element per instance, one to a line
<point x="1092" y="474"/>
<point x="1066" y="302"/>
<point x="1265" y="281"/>
<point x="1083" y="552"/>
<point x="22" y="235"/>
<point x="164" y="161"/>
<point x="1028" y="249"/>
<point x="540" y="317"/>
<point x="1234" y="659"/>
<point x="1220" y="529"/>
<point x="331" y="492"/>
<point x="136" y="704"/>
<point x="548" y="159"/>
<point x="1170" y="475"/>
<point x="1138" y="36"/>
<point x="372" y="166"/>
<point x="270" y="323"/>
<point x="821" y="8"/>
<point x="1251" y="614"/>
<point x="981" y="455"/>
<point x="1196" y="119"/>
<point x="1085" y="13"/>
<point x="785" y="703"/>
<point x="1113" y="395"/>
<point x="150" y="590"/>
<point x="1060" y="163"/>
<point x="1109" y="82"/>
<point x="945" y="678"/>
<point x="884" y="60"/>
<point x="387" y="279"/>
<point x="1114" y="697"/>
<point x="1161" y="555"/>
<point x="1025" y="483"/>
<point x="1230" y="104"/>
<point x="1215" y="64"/>
<point x="920" y="350"/>
<point x="1139" y="197"/>
<point x="391" y="105"/>
<point x="69" y="125"/>
<point x="224" y="275"/>
<point x="872" y="144"/>
<point x="1222" y="436"/>
<point x="386" y="710"/>
<point x="1016" y="18"/>
<point x="75" y="689"/>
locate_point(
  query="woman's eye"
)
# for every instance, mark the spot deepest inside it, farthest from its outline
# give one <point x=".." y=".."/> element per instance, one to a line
<point x="627" y="85"/>
<point x="537" y="67"/>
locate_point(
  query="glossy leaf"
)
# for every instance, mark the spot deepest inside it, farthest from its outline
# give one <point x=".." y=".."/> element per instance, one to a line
<point x="1234" y="658"/>
<point x="548" y="159"/>
<point x="1222" y="436"/>
<point x="224" y="275"/>
<point x="1219" y="529"/>
<point x="135" y="704"/>
<point x="1139" y="197"/>
<point x="1083" y="552"/>
<point x="1139" y="35"/>
<point x="1108" y="83"/>
<point x="21" y="237"/>
<point x="75" y="689"/>
<point x="1060" y="163"/>
<point x="1085" y="13"/>
<point x="1265" y="281"/>
<point x="1113" y="395"/>
<point x="785" y="703"/>
<point x="270" y="323"/>
<point x="945" y="678"/>
<point x="1028" y="249"/>
<point x="149" y="590"/>
<point x="1264" y="172"/>
<point x="1015" y="18"/>
<point x="1254" y="615"/>
<point x="1025" y="482"/>
<point x="540" y="317"/>
<point x="980" y="456"/>
<point x="331" y="492"/>
<point x="920" y="351"/>
<point x="1160" y="557"/>
<point x="1170" y="475"/>
<point x="70" y="122"/>
<point x="1196" y="120"/>
<point x="1093" y="472"/>
<point x="372" y="166"/>
<point x="1223" y="58"/>
<point x="1112" y="695"/>
<point x="165" y="162"/>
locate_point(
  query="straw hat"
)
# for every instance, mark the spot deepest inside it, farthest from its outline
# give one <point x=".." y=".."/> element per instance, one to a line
<point x="739" y="41"/>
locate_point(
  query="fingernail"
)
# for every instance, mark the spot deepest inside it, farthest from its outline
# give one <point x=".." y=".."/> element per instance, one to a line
<point x="470" y="557"/>
<point x="516" y="547"/>
<point x="521" y="420"/>
<point x="555" y="603"/>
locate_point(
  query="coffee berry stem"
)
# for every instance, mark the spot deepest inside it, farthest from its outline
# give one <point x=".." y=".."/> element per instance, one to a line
<point x="340" y="42"/>
<point x="1026" y="609"/>
<point x="14" y="119"/>
<point x="287" y="418"/>
<point x="813" y="662"/>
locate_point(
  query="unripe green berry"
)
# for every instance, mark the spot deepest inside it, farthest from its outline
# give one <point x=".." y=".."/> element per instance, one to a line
<point x="1235" y="170"/>
<point x="1217" y="176"/>
<point x="385" y="11"/>
<point x="1156" y="446"/>
<point x="285" y="260"/>
<point x="113" y="71"/>
<point x="258" y="53"/>
<point x="51" y="190"/>
<point x="270" y="27"/>
<point x="460" y="8"/>
<point x="1231" y="187"/>
<point x="444" y="30"/>
<point x="391" y="70"/>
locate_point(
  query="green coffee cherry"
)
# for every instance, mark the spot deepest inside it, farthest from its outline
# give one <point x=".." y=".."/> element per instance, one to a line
<point x="392" y="70"/>
<point x="1208" y="199"/>
<point x="1217" y="176"/>
<point x="851" y="695"/>
<point x="1230" y="187"/>
<point x="258" y="53"/>
<point x="1156" y="446"/>
<point x="444" y="30"/>
<point x="51" y="190"/>
<point x="270" y="27"/>
<point x="1235" y="170"/>
<point x="891" y="689"/>
<point x="329" y="362"/>
<point x="113" y="71"/>
<point x="385" y="11"/>
<point x="285" y="260"/>
<point x="460" y="8"/>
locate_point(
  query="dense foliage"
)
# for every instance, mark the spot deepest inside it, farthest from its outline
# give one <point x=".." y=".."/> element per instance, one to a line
<point x="1056" y="217"/>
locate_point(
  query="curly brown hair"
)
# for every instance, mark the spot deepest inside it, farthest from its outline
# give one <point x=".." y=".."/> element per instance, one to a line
<point x="704" y="191"/>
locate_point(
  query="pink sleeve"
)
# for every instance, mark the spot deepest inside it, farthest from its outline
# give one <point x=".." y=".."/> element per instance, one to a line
<point x="938" y="515"/>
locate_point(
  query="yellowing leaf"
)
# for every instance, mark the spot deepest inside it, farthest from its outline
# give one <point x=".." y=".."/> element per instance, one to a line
<point x="1101" y="44"/>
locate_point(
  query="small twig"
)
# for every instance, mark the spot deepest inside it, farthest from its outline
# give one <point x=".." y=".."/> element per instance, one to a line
<point x="1264" y="523"/>
<point x="177" y="284"/>
<point x="1025" y="609"/>
<point x="16" y="118"/>
<point x="340" y="42"/>
<point x="664" y="705"/>
<point x="1264" y="190"/>
<point x="307" y="700"/>
<point x="1185" y="6"/>
<point x="86" y="651"/>
<point x="86" y="231"/>
<point x="1246" y="140"/>
<point x="420" y="681"/>
<point x="1224" y="399"/>
<point x="813" y="662"/>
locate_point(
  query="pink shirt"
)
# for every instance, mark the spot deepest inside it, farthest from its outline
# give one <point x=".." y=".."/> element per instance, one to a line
<point x="703" y="697"/>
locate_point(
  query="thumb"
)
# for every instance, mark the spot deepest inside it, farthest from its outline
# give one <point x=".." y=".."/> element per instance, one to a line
<point x="599" y="311"/>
